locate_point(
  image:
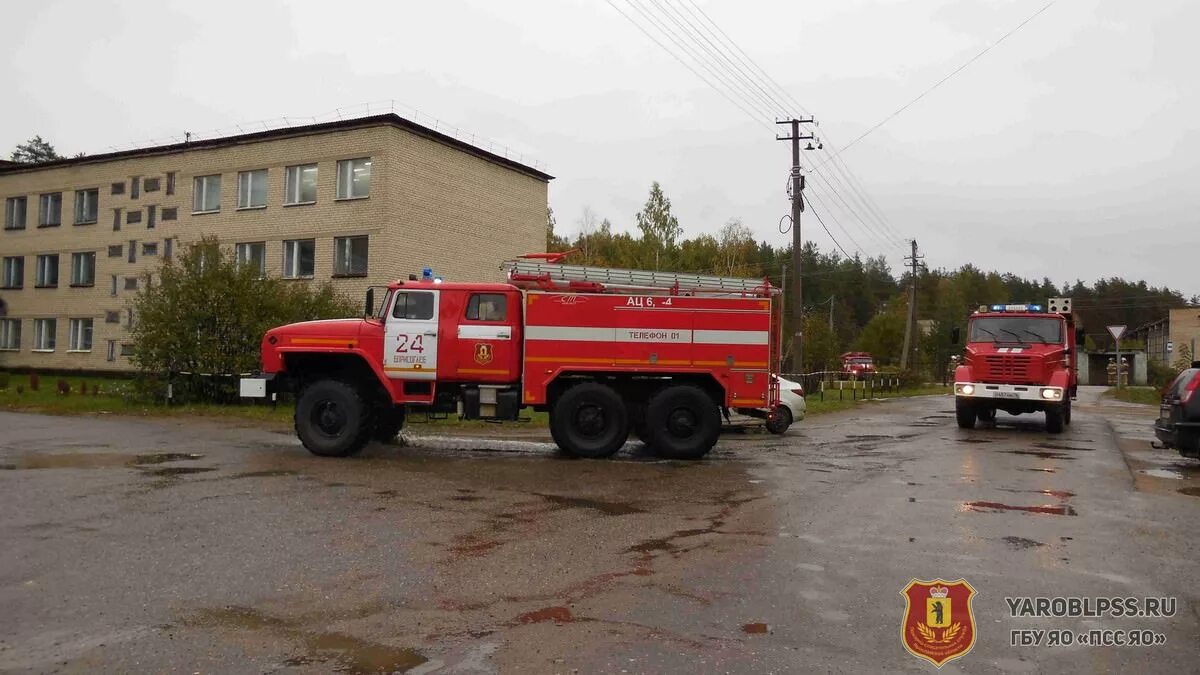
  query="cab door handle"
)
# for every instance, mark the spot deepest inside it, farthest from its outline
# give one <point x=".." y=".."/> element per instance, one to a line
<point x="504" y="335"/>
<point x="431" y="333"/>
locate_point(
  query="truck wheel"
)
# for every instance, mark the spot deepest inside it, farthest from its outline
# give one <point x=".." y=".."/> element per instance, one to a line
<point x="966" y="415"/>
<point x="781" y="421"/>
<point x="388" y="424"/>
<point x="332" y="419"/>
<point x="1067" y="412"/>
<point x="590" y="420"/>
<point x="1054" y="419"/>
<point x="684" y="422"/>
<point x="986" y="414"/>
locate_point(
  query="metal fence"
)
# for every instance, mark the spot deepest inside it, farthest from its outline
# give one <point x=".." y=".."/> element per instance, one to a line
<point x="837" y="386"/>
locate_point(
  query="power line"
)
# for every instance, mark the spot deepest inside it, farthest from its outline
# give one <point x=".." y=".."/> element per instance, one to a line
<point x="831" y="237"/>
<point x="866" y="228"/>
<point x="942" y="81"/>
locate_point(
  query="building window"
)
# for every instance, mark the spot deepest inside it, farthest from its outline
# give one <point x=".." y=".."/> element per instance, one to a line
<point x="87" y="204"/>
<point x="81" y="335"/>
<point x="116" y="251"/>
<point x="252" y="189"/>
<point x="126" y="350"/>
<point x="300" y="184"/>
<point x="131" y="283"/>
<point x="50" y="211"/>
<point x="151" y="216"/>
<point x="112" y="351"/>
<point x="116" y="220"/>
<point x="43" y="334"/>
<point x="350" y="256"/>
<point x="135" y="187"/>
<point x="170" y="214"/>
<point x="487" y="307"/>
<point x="133" y="217"/>
<point x="14" y="212"/>
<point x="168" y="248"/>
<point x="113" y="289"/>
<point x="150" y="248"/>
<point x="10" y="334"/>
<point x="206" y="194"/>
<point x="46" y="275"/>
<point x="83" y="269"/>
<point x="151" y="185"/>
<point x="354" y="178"/>
<point x="133" y="250"/>
<point x="112" y="316"/>
<point x="253" y="254"/>
<point x="298" y="258"/>
<point x="170" y="183"/>
<point x="129" y="318"/>
<point x="14" y="272"/>
<point x="118" y="188"/>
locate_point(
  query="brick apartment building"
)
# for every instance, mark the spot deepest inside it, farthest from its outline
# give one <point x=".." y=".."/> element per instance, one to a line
<point x="357" y="202"/>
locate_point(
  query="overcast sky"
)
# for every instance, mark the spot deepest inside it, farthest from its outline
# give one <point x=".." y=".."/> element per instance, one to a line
<point x="1070" y="150"/>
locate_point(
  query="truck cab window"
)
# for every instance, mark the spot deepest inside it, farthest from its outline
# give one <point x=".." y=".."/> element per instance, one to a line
<point x="413" y="305"/>
<point x="487" y="307"/>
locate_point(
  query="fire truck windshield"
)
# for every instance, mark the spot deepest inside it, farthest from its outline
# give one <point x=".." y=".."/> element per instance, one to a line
<point x="1016" y="329"/>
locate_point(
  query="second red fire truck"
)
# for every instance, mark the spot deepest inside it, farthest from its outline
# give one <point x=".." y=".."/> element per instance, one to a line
<point x="603" y="351"/>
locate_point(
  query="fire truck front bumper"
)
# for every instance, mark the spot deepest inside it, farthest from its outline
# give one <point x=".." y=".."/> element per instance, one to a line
<point x="261" y="385"/>
<point x="1011" y="392"/>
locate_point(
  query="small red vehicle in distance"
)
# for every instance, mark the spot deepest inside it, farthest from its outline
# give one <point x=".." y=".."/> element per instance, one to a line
<point x="603" y="351"/>
<point x="857" y="364"/>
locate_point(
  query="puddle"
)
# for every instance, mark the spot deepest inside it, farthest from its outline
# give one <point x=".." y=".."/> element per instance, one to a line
<point x="997" y="507"/>
<point x="169" y="471"/>
<point x="1058" y="494"/>
<point x="667" y="543"/>
<point x="755" y="628"/>
<point x="1021" y="543"/>
<point x="1042" y="470"/>
<point x="607" y="508"/>
<point x="343" y="653"/>
<point x="95" y="460"/>
<point x="1162" y="473"/>
<point x="1039" y="454"/>
<point x="1190" y="491"/>
<point x="867" y="437"/>
<point x="466" y="498"/>
<point x="1061" y="446"/>
<point x="266" y="474"/>
<point x="558" y="615"/>
<point x="973" y="440"/>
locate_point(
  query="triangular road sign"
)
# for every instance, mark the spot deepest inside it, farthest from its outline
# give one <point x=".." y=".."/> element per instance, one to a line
<point x="1116" y="331"/>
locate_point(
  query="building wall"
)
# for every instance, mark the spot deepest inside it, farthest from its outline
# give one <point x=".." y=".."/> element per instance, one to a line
<point x="429" y="204"/>
<point x="1185" y="330"/>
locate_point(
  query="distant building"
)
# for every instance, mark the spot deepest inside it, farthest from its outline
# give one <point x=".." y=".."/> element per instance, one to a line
<point x="1166" y="337"/>
<point x="358" y="202"/>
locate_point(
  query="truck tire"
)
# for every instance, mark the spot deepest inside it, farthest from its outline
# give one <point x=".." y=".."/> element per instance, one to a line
<point x="683" y="422"/>
<point x="986" y="414"/>
<point x="590" y="420"/>
<point x="966" y="414"/>
<point x="781" y="421"/>
<point x="1067" y="412"/>
<point x="388" y="423"/>
<point x="333" y="419"/>
<point x="1055" y="416"/>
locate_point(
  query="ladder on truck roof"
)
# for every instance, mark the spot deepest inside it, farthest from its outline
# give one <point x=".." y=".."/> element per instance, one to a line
<point x="546" y="273"/>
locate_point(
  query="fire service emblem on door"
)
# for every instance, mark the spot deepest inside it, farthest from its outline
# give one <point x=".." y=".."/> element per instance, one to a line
<point x="483" y="353"/>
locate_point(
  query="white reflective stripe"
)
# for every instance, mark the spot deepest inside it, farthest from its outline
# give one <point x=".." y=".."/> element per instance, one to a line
<point x="486" y="332"/>
<point x="731" y="337"/>
<point x="675" y="335"/>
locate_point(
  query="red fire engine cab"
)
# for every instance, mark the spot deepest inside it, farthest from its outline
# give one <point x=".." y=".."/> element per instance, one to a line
<point x="1019" y="359"/>
<point x="604" y="351"/>
<point x="857" y="364"/>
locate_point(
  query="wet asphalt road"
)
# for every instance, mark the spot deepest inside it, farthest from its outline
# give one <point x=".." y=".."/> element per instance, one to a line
<point x="129" y="545"/>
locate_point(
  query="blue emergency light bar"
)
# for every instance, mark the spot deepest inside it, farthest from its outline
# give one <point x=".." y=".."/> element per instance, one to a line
<point x="1016" y="308"/>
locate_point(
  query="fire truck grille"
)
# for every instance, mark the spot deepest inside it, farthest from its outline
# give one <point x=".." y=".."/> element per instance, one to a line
<point x="1010" y="369"/>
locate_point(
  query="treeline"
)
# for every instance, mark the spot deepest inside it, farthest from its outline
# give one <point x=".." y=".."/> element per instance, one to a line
<point x="851" y="303"/>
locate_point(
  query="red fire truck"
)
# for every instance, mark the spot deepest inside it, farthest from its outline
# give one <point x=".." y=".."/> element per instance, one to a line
<point x="1019" y="359"/>
<point x="604" y="351"/>
<point x="857" y="364"/>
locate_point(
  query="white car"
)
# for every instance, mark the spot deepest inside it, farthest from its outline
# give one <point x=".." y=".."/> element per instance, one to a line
<point x="791" y="408"/>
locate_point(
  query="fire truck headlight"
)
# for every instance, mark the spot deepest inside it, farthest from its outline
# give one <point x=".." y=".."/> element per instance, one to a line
<point x="1051" y="393"/>
<point x="964" y="389"/>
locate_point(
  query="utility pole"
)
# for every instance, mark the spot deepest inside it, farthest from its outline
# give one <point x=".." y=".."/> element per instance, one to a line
<point x="831" y="313"/>
<point x="797" y="241"/>
<point x="910" y="328"/>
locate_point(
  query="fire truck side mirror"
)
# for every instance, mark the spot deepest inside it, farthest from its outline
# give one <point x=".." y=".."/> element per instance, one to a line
<point x="955" y="336"/>
<point x="369" y="310"/>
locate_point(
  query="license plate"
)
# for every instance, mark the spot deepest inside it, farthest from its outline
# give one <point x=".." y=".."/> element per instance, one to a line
<point x="1007" y="394"/>
<point x="1164" y="412"/>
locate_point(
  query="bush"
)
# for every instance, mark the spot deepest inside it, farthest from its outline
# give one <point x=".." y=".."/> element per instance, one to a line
<point x="1160" y="374"/>
<point x="200" y="321"/>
